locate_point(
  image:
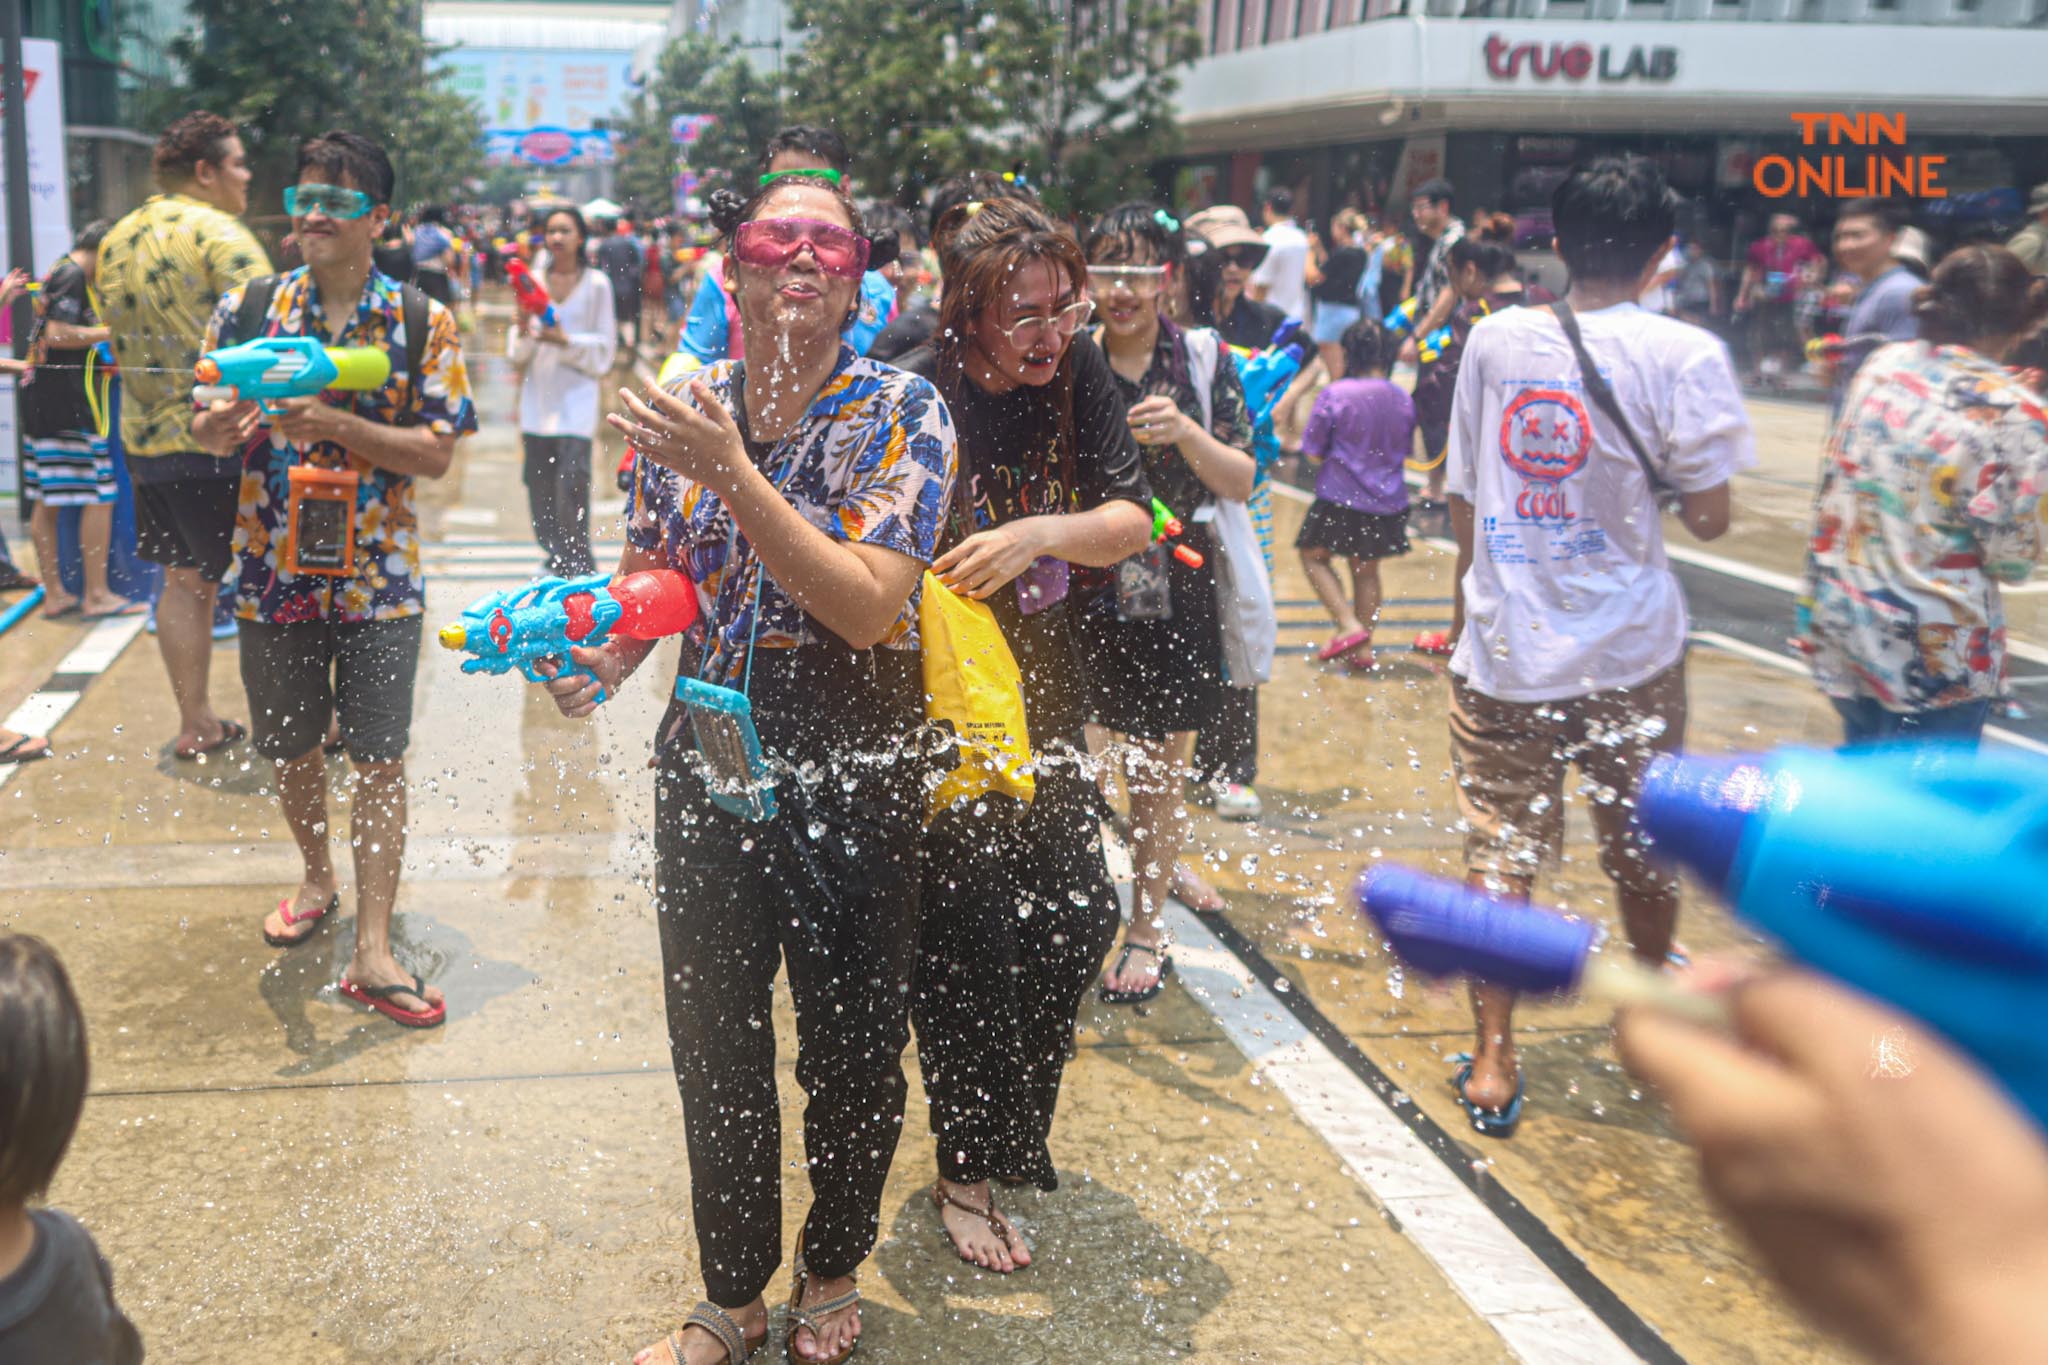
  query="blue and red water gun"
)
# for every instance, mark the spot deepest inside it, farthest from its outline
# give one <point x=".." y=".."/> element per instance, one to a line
<point x="1265" y="376"/>
<point x="1918" y="875"/>
<point x="517" y="629"/>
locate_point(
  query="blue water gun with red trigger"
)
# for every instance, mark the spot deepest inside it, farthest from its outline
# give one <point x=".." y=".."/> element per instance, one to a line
<point x="1916" y="874"/>
<point x="519" y="628"/>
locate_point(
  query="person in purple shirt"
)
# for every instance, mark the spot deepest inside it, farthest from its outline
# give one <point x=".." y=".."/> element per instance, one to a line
<point x="1361" y="429"/>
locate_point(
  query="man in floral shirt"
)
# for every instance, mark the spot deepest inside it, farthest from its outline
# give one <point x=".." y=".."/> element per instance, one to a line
<point x="344" y="639"/>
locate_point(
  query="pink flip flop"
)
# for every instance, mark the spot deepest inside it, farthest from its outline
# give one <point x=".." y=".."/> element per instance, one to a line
<point x="1343" y="645"/>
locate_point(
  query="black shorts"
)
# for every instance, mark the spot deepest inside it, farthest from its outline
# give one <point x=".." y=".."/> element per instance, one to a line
<point x="297" y="676"/>
<point x="1352" y="534"/>
<point x="1156" y="679"/>
<point x="188" y="524"/>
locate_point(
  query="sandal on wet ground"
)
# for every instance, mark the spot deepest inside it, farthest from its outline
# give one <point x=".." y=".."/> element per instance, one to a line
<point x="24" y="749"/>
<point x="1434" y="642"/>
<point x="291" y="920"/>
<point x="719" y="1324"/>
<point x="1343" y="645"/>
<point x="380" y="999"/>
<point x="1501" y="1122"/>
<point x="814" y="1316"/>
<point x="1112" y="996"/>
<point x="997" y="1222"/>
<point x="231" y="732"/>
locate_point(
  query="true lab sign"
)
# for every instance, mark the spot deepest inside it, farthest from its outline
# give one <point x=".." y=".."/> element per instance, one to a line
<point x="1578" y="63"/>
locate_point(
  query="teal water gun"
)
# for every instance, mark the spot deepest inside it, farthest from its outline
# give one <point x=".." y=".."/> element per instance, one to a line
<point x="1916" y="874"/>
<point x="520" y="627"/>
<point x="269" y="369"/>
<point x="1265" y="376"/>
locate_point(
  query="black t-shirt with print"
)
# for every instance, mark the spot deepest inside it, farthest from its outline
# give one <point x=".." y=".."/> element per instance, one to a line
<point x="1008" y="469"/>
<point x="53" y="399"/>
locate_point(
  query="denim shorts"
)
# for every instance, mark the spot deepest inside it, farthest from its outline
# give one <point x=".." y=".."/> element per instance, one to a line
<point x="1331" y="320"/>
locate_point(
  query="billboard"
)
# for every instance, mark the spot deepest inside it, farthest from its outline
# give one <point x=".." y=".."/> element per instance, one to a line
<point x="49" y="206"/>
<point x="543" y="108"/>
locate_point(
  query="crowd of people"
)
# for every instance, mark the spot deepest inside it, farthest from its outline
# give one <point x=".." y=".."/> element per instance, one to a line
<point x="832" y="443"/>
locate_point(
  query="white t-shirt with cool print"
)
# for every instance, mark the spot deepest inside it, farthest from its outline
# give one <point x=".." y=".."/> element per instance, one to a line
<point x="1569" y="592"/>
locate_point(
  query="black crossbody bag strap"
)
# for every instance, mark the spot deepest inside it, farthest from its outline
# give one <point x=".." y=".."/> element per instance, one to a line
<point x="1604" y="399"/>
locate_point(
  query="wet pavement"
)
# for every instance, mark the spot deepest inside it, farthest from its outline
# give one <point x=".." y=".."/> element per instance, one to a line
<point x="276" y="1174"/>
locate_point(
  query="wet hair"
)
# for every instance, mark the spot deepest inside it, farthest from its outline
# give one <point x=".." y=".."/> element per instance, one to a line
<point x="1613" y="215"/>
<point x="92" y="234"/>
<point x="811" y="140"/>
<point x="1979" y="291"/>
<point x="1888" y="214"/>
<point x="42" y="1066"/>
<point x="1493" y="259"/>
<point x="727" y="209"/>
<point x="982" y="245"/>
<point x="966" y="189"/>
<point x="342" y="153"/>
<point x="1367" y="345"/>
<point x="1280" y="200"/>
<point x="887" y="218"/>
<point x="198" y="136"/>
<point x="574" y="215"/>
<point x="1438" y="191"/>
<point x="1135" y="229"/>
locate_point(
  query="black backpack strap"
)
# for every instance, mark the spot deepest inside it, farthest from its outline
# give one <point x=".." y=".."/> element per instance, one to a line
<point x="1603" y="397"/>
<point x="255" y="309"/>
<point x="417" y="319"/>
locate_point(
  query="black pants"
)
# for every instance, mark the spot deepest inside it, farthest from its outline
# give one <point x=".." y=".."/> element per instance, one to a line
<point x="557" y="474"/>
<point x="1228" y="751"/>
<point x="1017" y="918"/>
<point x="830" y="887"/>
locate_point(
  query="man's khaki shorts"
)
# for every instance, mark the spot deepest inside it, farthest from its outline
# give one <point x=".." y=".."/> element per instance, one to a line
<point x="1510" y="759"/>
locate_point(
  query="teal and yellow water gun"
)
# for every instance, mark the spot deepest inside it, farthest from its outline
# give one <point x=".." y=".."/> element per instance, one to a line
<point x="1402" y="319"/>
<point x="270" y="369"/>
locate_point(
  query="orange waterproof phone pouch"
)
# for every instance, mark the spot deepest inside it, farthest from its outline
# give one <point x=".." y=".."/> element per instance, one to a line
<point x="320" y="520"/>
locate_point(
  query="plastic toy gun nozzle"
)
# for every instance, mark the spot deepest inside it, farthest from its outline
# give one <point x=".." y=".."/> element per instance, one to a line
<point x="206" y="371"/>
<point x="1167" y="526"/>
<point x="454" y="636"/>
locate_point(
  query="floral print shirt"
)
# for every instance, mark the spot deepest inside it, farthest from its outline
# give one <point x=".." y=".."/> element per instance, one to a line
<point x="387" y="583"/>
<point x="872" y="462"/>
<point x="1930" y="496"/>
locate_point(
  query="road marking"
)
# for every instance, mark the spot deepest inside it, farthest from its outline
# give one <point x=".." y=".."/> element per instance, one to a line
<point x="40" y="712"/>
<point x="1785" y="663"/>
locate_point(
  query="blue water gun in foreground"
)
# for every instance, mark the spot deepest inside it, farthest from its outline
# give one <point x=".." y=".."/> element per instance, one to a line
<point x="1918" y="875"/>
<point x="1265" y="375"/>
<point x="520" y="627"/>
<point x="272" y="368"/>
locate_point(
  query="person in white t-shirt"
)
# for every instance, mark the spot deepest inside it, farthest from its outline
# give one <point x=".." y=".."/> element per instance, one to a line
<point x="1658" y="296"/>
<point x="1282" y="278"/>
<point x="1570" y="625"/>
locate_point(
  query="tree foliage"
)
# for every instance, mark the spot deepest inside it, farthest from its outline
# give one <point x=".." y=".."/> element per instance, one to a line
<point x="1080" y="92"/>
<point x="284" y="70"/>
<point x="695" y="75"/>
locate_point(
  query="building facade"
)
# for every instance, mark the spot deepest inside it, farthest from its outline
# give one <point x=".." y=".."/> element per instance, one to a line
<point x="114" y="51"/>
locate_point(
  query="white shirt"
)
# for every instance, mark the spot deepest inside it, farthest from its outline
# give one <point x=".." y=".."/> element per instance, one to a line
<point x="559" y="393"/>
<point x="1284" y="272"/>
<point x="1658" y="297"/>
<point x="1569" y="592"/>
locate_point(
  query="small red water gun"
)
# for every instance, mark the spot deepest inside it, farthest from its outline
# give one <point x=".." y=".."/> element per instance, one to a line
<point x="1167" y="526"/>
<point x="533" y="295"/>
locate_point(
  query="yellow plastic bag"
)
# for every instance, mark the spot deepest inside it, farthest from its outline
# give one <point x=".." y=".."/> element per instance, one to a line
<point x="972" y="681"/>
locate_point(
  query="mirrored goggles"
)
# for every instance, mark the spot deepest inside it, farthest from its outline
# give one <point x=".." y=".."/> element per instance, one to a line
<point x="332" y="200"/>
<point x="771" y="243"/>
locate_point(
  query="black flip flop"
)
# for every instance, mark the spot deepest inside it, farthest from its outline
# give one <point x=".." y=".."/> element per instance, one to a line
<point x="17" y="753"/>
<point x="231" y="732"/>
<point x="1116" y="997"/>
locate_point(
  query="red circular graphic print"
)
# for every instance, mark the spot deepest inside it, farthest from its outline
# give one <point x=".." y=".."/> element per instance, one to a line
<point x="1545" y="435"/>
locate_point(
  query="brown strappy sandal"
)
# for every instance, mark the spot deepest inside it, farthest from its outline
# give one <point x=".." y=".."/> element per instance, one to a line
<point x="814" y="1316"/>
<point x="719" y="1324"/>
<point x="997" y="1221"/>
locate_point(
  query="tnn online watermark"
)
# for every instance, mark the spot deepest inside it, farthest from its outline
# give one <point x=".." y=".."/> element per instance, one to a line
<point x="1841" y="175"/>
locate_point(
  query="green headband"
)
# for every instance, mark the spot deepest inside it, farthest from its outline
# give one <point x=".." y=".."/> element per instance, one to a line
<point x="830" y="177"/>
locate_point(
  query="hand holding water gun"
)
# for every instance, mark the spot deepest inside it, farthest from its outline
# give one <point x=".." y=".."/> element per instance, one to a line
<point x="270" y="369"/>
<point x="1167" y="526"/>
<point x="546" y="618"/>
<point x="1912" y="874"/>
<point x="532" y="294"/>
<point x="1402" y="319"/>
<point x="1265" y="376"/>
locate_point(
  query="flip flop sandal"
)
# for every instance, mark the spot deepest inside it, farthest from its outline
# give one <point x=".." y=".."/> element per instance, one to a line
<point x="284" y="912"/>
<point x="129" y="609"/>
<point x="814" y="1316"/>
<point x="997" y="1223"/>
<point x="1500" y="1123"/>
<point x="379" y="998"/>
<point x="21" y="751"/>
<point x="1434" y="642"/>
<point x="62" y="613"/>
<point x="1343" y="644"/>
<point x="14" y="580"/>
<point x="718" y="1323"/>
<point x="1111" y="996"/>
<point x="231" y="732"/>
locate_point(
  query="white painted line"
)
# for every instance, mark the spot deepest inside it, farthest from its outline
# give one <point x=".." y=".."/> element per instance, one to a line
<point x="1538" y="1317"/>
<point x="1734" y="568"/>
<point x="470" y="516"/>
<point x="1785" y="663"/>
<point x="36" y="715"/>
<point x="40" y="712"/>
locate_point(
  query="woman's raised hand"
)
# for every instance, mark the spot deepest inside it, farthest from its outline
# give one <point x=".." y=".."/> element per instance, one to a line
<point x="703" y="444"/>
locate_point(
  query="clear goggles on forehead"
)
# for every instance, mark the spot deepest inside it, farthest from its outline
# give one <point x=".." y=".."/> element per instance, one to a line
<point x="1132" y="277"/>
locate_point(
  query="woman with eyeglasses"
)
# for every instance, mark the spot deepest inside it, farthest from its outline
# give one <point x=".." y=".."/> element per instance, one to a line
<point x="1018" y="913"/>
<point x="1151" y="636"/>
<point x="801" y="490"/>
